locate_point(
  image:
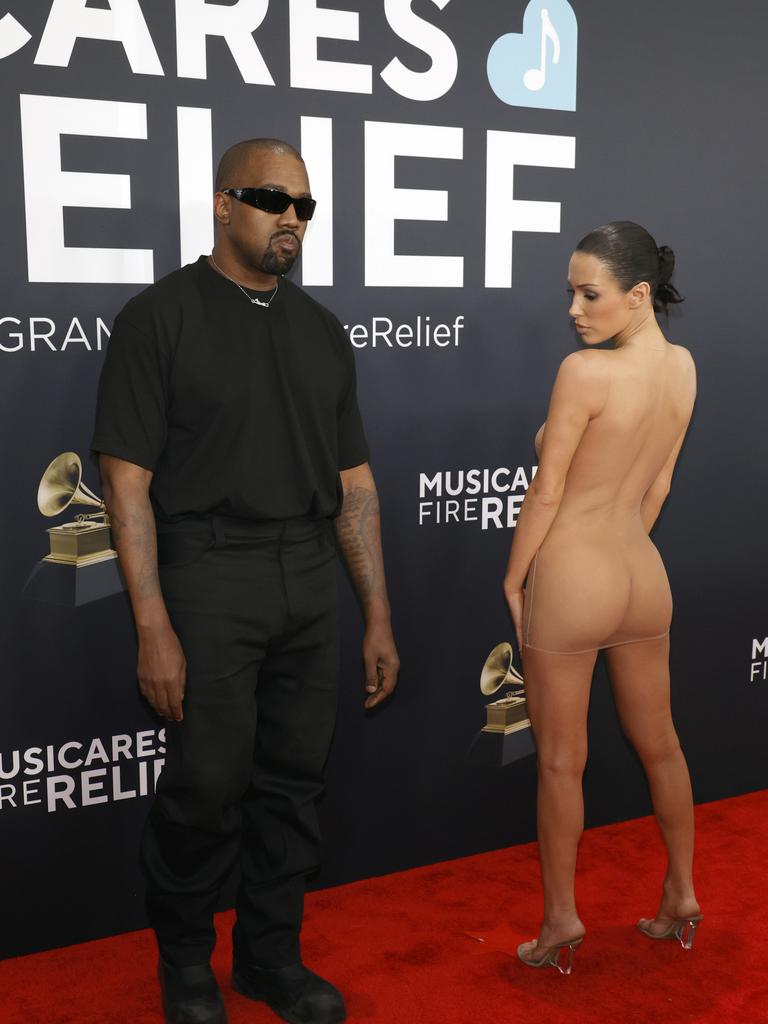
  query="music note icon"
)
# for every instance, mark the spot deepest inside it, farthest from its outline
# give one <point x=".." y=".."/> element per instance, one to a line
<point x="547" y="47"/>
<point x="535" y="78"/>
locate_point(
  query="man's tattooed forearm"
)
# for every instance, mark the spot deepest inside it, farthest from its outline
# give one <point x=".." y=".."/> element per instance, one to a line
<point x="359" y="533"/>
<point x="134" y="536"/>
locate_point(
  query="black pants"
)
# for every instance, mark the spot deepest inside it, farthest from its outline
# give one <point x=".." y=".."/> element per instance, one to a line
<point x="255" y="609"/>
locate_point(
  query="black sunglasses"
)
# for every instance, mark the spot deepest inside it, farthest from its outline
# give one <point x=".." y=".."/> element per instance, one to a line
<point x="271" y="200"/>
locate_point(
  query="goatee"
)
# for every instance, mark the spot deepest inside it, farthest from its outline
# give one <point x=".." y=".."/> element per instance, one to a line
<point x="279" y="263"/>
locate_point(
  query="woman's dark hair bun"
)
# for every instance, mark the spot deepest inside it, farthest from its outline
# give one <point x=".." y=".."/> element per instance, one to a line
<point x="666" y="294"/>
<point x="666" y="264"/>
<point x="631" y="254"/>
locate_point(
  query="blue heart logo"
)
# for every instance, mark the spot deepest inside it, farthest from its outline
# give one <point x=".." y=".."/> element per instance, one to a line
<point x="538" y="67"/>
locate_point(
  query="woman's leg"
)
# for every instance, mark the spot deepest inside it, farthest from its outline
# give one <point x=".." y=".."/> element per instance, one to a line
<point x="557" y="689"/>
<point x="640" y="679"/>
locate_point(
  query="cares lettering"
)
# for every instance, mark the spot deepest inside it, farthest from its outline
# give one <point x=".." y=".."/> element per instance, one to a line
<point x="197" y="20"/>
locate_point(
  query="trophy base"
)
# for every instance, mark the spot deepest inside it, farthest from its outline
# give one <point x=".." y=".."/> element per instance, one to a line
<point x="81" y="560"/>
<point x="80" y="543"/>
<point x="498" y="749"/>
<point x="55" y="582"/>
<point x="505" y="730"/>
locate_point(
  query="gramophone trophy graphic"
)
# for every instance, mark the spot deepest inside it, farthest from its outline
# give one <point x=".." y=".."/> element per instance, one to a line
<point x="506" y="735"/>
<point x="82" y="564"/>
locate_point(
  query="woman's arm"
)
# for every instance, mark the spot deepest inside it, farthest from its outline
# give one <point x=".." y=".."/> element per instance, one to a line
<point x="579" y="394"/>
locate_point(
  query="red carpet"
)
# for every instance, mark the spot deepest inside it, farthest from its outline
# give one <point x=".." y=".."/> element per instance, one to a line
<point x="398" y="946"/>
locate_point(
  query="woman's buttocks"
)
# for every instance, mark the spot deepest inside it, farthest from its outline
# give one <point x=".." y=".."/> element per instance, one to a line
<point x="590" y="585"/>
<point x="577" y="591"/>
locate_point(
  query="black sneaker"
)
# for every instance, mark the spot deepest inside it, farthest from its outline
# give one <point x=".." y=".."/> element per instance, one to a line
<point x="191" y="995"/>
<point x="295" y="993"/>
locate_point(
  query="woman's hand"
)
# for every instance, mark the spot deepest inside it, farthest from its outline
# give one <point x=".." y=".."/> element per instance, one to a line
<point x="515" y="601"/>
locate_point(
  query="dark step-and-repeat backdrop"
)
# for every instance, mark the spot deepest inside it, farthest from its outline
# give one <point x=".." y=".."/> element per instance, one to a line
<point x="458" y="149"/>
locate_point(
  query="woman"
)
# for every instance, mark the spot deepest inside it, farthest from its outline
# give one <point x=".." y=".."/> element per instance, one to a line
<point x="614" y="429"/>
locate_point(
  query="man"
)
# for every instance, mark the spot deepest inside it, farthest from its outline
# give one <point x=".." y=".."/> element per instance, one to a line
<point x="229" y="439"/>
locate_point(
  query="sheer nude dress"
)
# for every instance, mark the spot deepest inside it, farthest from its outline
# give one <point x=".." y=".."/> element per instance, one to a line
<point x="597" y="580"/>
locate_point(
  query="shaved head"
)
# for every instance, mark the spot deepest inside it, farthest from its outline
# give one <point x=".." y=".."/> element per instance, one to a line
<point x="239" y="154"/>
<point x="254" y="245"/>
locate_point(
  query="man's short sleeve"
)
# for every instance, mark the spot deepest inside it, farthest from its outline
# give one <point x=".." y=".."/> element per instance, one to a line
<point x="353" y="447"/>
<point x="131" y="421"/>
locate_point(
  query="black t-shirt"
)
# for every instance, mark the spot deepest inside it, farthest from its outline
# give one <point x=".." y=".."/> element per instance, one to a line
<point x="237" y="409"/>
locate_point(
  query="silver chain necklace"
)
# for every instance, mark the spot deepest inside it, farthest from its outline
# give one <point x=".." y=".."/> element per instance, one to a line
<point x="252" y="299"/>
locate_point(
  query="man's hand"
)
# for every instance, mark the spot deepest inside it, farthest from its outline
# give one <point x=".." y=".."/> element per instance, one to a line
<point x="162" y="667"/>
<point x="162" y="671"/>
<point x="358" y="531"/>
<point x="381" y="662"/>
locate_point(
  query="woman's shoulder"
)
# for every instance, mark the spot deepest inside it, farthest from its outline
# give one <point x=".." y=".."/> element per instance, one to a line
<point x="585" y="377"/>
<point x="685" y="362"/>
<point x="586" y="359"/>
<point x="683" y="353"/>
<point x="585" y="364"/>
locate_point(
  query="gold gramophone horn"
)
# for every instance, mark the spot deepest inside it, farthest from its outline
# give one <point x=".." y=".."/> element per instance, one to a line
<point x="62" y="486"/>
<point x="499" y="671"/>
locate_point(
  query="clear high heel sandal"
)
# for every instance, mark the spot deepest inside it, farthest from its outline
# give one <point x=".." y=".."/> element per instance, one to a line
<point x="560" y="955"/>
<point x="683" y="929"/>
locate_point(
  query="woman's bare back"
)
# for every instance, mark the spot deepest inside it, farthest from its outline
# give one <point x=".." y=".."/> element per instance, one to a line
<point x="597" y="579"/>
